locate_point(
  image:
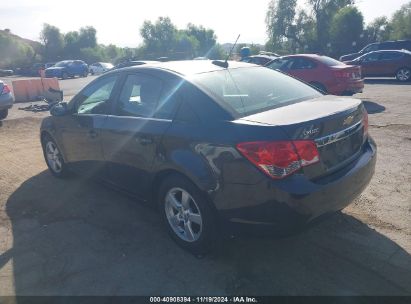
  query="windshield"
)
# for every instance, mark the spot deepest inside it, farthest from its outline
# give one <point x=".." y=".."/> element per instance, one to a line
<point x="61" y="64"/>
<point x="107" y="65"/>
<point x="329" y="61"/>
<point x="246" y="91"/>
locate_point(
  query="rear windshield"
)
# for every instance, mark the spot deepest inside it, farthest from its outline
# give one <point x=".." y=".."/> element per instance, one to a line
<point x="246" y="91"/>
<point x="329" y="61"/>
<point x="61" y="63"/>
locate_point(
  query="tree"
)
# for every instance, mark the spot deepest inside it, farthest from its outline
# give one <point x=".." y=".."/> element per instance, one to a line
<point x="279" y="22"/>
<point x="53" y="42"/>
<point x="323" y="12"/>
<point x="87" y="37"/>
<point x="401" y="23"/>
<point x="159" y="37"/>
<point x="378" y="30"/>
<point x="346" y="30"/>
<point x="205" y="37"/>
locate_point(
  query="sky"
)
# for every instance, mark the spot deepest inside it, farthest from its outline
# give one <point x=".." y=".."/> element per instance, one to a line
<point x="119" y="21"/>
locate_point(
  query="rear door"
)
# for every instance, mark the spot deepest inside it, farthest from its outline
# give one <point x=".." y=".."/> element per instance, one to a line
<point x="371" y="65"/>
<point x="132" y="135"/>
<point x="390" y="63"/>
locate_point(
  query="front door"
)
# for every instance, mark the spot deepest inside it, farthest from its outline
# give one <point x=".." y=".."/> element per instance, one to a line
<point x="81" y="131"/>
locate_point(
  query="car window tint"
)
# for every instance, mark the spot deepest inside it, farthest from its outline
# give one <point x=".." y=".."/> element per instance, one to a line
<point x="371" y="57"/>
<point x="94" y="98"/>
<point x="370" y="48"/>
<point x="267" y="90"/>
<point x="390" y="56"/>
<point x="302" y="64"/>
<point x="280" y="64"/>
<point x="139" y="96"/>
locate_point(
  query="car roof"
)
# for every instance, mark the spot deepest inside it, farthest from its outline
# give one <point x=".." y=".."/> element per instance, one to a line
<point x="389" y="51"/>
<point x="189" y="67"/>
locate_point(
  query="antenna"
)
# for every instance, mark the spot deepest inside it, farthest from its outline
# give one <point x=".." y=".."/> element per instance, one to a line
<point x="232" y="48"/>
<point x="224" y="64"/>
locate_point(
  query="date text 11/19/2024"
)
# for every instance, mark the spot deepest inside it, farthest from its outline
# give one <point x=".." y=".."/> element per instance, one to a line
<point x="203" y="300"/>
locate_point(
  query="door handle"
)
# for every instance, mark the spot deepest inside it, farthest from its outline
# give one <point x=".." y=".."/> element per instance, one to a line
<point x="92" y="134"/>
<point x="145" y="141"/>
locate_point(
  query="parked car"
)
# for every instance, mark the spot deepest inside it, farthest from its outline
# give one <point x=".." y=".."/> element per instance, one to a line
<point x="100" y="67"/>
<point x="6" y="100"/>
<point x="32" y="71"/>
<point x="385" y="64"/>
<point x="326" y="74"/>
<point x="6" y="72"/>
<point x="49" y="65"/>
<point x="215" y="147"/>
<point x="259" y="59"/>
<point x="67" y="68"/>
<point x="387" y="45"/>
<point x="126" y="64"/>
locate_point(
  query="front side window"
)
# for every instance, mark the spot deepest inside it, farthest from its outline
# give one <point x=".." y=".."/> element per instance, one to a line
<point x="95" y="98"/>
<point x="244" y="91"/>
<point x="371" y="57"/>
<point x="280" y="64"/>
<point x="370" y="48"/>
<point x="139" y="96"/>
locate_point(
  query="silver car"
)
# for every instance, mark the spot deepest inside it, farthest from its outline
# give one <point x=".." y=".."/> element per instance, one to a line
<point x="6" y="100"/>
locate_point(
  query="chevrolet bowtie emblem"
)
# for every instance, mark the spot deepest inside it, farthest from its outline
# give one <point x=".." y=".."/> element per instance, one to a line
<point x="348" y="120"/>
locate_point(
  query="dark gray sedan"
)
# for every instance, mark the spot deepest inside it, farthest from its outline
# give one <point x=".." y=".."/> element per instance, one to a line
<point x="216" y="146"/>
<point x="6" y="100"/>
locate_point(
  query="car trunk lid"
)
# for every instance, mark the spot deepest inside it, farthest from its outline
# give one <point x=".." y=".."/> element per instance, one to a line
<point x="334" y="123"/>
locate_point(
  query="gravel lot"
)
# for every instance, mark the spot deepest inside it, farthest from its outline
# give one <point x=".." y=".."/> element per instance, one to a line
<point x="77" y="237"/>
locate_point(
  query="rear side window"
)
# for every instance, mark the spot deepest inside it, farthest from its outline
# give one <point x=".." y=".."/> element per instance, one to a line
<point x="302" y="64"/>
<point x="329" y="61"/>
<point x="139" y="96"/>
<point x="390" y="56"/>
<point x="245" y="91"/>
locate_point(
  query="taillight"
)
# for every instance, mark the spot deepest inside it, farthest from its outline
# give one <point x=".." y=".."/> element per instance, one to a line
<point x="342" y="74"/>
<point x="365" y="123"/>
<point x="279" y="159"/>
<point x="5" y="90"/>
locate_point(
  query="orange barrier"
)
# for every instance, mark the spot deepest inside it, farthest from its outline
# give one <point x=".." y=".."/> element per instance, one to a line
<point x="31" y="89"/>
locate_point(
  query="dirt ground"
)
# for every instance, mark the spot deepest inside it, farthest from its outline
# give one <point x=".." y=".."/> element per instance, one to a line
<point x="77" y="237"/>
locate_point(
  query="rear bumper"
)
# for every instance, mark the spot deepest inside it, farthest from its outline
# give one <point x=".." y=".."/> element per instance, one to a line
<point x="283" y="206"/>
<point x="349" y="87"/>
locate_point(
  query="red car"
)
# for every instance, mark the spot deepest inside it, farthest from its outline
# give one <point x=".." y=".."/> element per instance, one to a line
<point x="327" y="74"/>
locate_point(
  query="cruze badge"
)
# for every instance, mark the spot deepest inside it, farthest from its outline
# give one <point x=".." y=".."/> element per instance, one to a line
<point x="348" y="120"/>
<point x="310" y="132"/>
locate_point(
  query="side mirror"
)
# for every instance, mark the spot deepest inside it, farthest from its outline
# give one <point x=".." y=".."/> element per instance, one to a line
<point x="60" y="109"/>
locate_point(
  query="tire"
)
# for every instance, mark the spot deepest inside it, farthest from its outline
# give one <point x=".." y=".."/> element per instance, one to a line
<point x="53" y="157"/>
<point x="190" y="222"/>
<point x="64" y="75"/>
<point x="319" y="87"/>
<point x="85" y="74"/>
<point x="4" y="113"/>
<point x="403" y="74"/>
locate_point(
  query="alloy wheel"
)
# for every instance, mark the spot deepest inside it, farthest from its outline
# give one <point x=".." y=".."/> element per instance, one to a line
<point x="403" y="74"/>
<point x="183" y="214"/>
<point x="54" y="157"/>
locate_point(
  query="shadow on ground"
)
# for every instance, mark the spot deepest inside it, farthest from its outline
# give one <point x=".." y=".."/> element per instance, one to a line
<point x="373" y="107"/>
<point x="77" y="237"/>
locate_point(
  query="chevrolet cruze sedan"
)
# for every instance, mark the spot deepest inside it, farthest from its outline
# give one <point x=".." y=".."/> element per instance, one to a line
<point x="216" y="146"/>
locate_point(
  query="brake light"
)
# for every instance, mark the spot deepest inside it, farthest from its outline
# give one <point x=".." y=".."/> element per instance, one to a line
<point x="365" y="123"/>
<point x="342" y="74"/>
<point x="282" y="158"/>
<point x="6" y="89"/>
